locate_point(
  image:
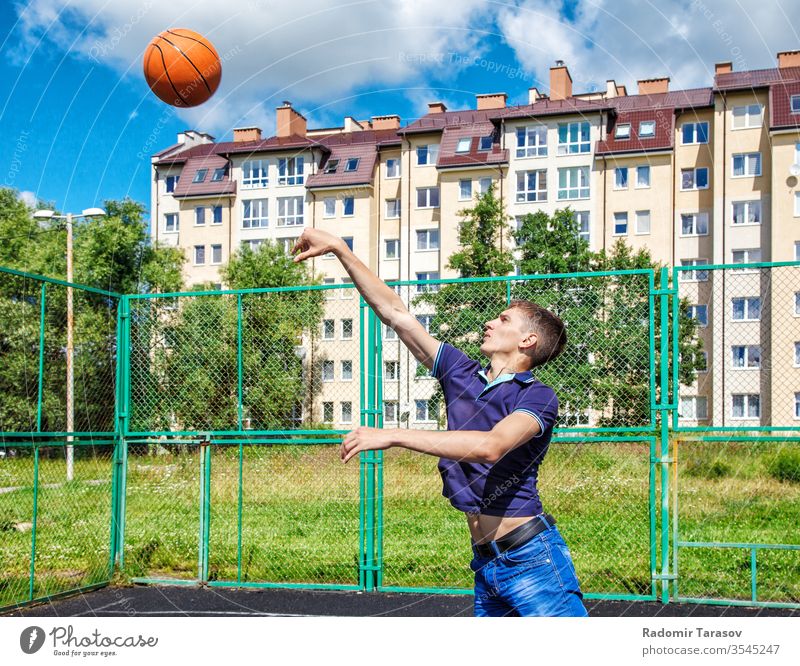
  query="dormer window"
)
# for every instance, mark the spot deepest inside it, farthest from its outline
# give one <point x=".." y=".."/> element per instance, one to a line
<point x="218" y="175"/>
<point x="647" y="128"/>
<point x="463" y="145"/>
<point x="623" y="131"/>
<point x="200" y="175"/>
<point x="351" y="164"/>
<point x="486" y="142"/>
<point x="331" y="166"/>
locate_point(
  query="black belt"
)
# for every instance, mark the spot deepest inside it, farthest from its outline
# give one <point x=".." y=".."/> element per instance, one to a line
<point x="516" y="537"/>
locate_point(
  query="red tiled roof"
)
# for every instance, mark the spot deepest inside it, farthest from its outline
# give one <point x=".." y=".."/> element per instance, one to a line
<point x="187" y="188"/>
<point x="663" y="138"/>
<point x="366" y="154"/>
<point x="448" y="157"/>
<point x="385" y="137"/>
<point x="435" y="122"/>
<point x="756" y="78"/>
<point x="675" y="99"/>
<point x="780" y="110"/>
<point x="548" y="107"/>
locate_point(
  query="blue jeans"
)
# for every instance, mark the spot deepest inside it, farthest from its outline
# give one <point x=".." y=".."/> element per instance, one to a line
<point x="534" y="579"/>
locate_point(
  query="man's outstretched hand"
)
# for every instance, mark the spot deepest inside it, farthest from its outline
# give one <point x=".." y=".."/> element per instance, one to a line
<point x="365" y="439"/>
<point x="314" y="242"/>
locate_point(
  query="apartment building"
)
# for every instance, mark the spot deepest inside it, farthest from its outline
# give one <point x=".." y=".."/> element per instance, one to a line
<point x="700" y="176"/>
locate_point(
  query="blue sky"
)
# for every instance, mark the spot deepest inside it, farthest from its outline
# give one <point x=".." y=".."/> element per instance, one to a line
<point x="77" y="120"/>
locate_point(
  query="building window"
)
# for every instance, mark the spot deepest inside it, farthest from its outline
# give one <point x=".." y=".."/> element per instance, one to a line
<point x="199" y="216"/>
<point x="797" y="204"/>
<point x="327" y="371"/>
<point x="701" y="361"/>
<point x="747" y="116"/>
<point x="170" y="222"/>
<point x="347" y="294"/>
<point x="699" y="313"/>
<point x="486" y="142"/>
<point x="797" y="354"/>
<point x="749" y="256"/>
<point x="746" y="406"/>
<point x="427" y="197"/>
<point x="392" y="209"/>
<point x="620" y="224"/>
<point x="464" y="189"/>
<point x="423" y="410"/>
<point x="393" y="168"/>
<point x="643" y="176"/>
<point x="216" y="215"/>
<point x="795" y="104"/>
<point x="582" y="218"/>
<point x="347" y="329"/>
<point x="391" y="371"/>
<point x="747" y="212"/>
<point x="623" y="131"/>
<point x="532" y="141"/>
<point x="392" y="246"/>
<point x="290" y="211"/>
<point x="254" y="213"/>
<point x="390" y="411"/>
<point x="745" y="357"/>
<point x="573" y="138"/>
<point x="746" y="308"/>
<point x="694" y="133"/>
<point x="463" y="144"/>
<point x="329" y="294"/>
<point x="389" y="333"/>
<point x="694" y="179"/>
<point x="483" y="185"/>
<point x="329" y="207"/>
<point x="746" y="164"/>
<point x="199" y="175"/>
<point x="328" y="329"/>
<point x="427" y="155"/>
<point x="532" y="185"/>
<point x="422" y="288"/>
<point x="331" y="166"/>
<point x="797" y="250"/>
<point x="351" y="164"/>
<point x="171" y="182"/>
<point x="252" y="244"/>
<point x="348" y="207"/>
<point x="327" y="412"/>
<point x="694" y="224"/>
<point x="694" y="407"/>
<point x="290" y="171"/>
<point x="428" y="239"/>
<point x="797" y="303"/>
<point x="199" y="255"/>
<point x="573" y="183"/>
<point x="647" y="129"/>
<point x="347" y="412"/>
<point x="642" y="221"/>
<point x="218" y="174"/>
<point x="348" y="241"/>
<point x="621" y="178"/>
<point x="693" y="275"/>
<point x="254" y="173"/>
<point x="216" y="254"/>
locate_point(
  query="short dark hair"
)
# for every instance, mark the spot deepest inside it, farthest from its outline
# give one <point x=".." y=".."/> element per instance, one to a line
<point x="549" y="328"/>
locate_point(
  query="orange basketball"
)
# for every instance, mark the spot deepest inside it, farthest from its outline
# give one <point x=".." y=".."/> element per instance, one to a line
<point x="181" y="67"/>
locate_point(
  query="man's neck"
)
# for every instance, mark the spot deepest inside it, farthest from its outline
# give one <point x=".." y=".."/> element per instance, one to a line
<point x="502" y="364"/>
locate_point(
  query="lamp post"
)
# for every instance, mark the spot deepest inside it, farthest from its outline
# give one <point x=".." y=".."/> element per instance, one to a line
<point x="68" y="217"/>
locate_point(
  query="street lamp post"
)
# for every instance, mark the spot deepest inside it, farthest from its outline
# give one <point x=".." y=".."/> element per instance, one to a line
<point x="49" y="214"/>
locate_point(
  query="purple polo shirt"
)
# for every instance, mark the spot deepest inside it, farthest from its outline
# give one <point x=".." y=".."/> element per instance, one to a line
<point x="507" y="487"/>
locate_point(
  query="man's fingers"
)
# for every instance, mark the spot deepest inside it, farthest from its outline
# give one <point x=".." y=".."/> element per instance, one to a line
<point x="302" y="256"/>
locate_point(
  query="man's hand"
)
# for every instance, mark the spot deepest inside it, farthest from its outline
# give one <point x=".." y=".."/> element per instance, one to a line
<point x="365" y="439"/>
<point x="314" y="242"/>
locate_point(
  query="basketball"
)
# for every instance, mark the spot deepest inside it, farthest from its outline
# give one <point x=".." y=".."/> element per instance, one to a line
<point x="182" y="67"/>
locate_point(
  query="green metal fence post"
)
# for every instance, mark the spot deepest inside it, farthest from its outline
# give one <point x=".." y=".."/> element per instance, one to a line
<point x="368" y="456"/>
<point x="116" y="460"/>
<point x="379" y="458"/>
<point x="205" y="510"/>
<point x="664" y="407"/>
<point x="124" y="350"/>
<point x="32" y="575"/>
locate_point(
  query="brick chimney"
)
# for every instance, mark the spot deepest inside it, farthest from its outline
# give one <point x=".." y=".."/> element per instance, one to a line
<point x="534" y="95"/>
<point x="560" y="81"/>
<point x="491" y="101"/>
<point x="789" y="59"/>
<point x="611" y="89"/>
<point x="723" y="68"/>
<point x="288" y="121"/>
<point x="241" y="134"/>
<point x="653" y="86"/>
<point x="385" y="122"/>
<point x="436" y="107"/>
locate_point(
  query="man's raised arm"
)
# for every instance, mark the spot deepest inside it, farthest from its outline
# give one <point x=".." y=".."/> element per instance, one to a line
<point x="382" y="299"/>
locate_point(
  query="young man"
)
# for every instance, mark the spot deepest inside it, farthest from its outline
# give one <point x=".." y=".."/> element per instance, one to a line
<point x="500" y="420"/>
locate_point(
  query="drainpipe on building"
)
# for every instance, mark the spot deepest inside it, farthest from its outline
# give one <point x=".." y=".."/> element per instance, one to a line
<point x="154" y="220"/>
<point x="724" y="280"/>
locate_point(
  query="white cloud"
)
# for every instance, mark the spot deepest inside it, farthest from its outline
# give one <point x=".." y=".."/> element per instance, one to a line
<point x="628" y="40"/>
<point x="28" y="198"/>
<point x="307" y="52"/>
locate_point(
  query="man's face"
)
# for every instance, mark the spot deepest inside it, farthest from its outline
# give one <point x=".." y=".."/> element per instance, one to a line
<point x="506" y="333"/>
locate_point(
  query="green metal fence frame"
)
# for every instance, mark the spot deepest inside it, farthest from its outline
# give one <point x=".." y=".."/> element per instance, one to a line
<point x="664" y="426"/>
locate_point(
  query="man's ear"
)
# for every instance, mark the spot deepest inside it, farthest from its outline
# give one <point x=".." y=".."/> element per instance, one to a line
<point x="529" y="341"/>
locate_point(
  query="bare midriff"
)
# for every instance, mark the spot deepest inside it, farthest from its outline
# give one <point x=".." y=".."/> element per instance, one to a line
<point x="485" y="528"/>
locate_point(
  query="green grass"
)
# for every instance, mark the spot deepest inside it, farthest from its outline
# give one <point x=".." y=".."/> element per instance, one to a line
<point x="300" y="519"/>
